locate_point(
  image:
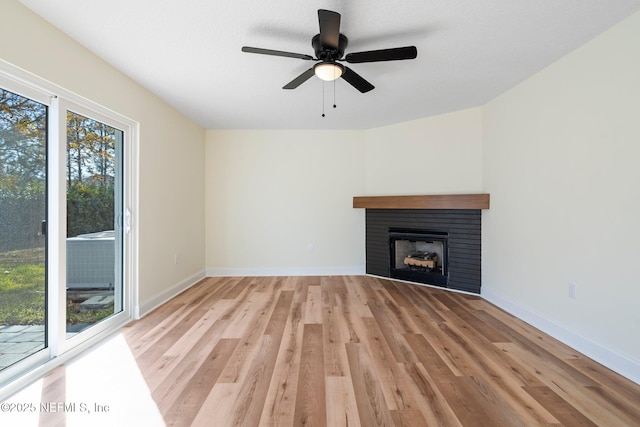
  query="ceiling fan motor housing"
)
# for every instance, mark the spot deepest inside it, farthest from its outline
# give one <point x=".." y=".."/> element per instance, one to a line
<point x="326" y="53"/>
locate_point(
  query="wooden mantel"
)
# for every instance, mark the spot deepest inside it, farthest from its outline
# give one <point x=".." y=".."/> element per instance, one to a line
<point x="437" y="201"/>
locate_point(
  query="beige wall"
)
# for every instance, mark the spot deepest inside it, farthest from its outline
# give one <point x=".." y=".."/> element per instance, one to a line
<point x="561" y="161"/>
<point x="171" y="212"/>
<point x="434" y="155"/>
<point x="272" y="193"/>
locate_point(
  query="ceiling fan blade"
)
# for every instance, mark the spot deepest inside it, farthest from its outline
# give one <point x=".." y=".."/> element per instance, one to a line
<point x="395" y="54"/>
<point x="300" y="79"/>
<point x="355" y="80"/>
<point x="329" y="28"/>
<point x="275" y="53"/>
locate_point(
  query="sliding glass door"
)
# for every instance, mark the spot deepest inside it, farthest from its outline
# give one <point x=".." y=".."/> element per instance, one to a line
<point x="23" y="184"/>
<point x="94" y="232"/>
<point x="67" y="260"/>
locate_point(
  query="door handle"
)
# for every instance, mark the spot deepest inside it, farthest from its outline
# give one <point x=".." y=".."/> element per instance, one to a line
<point x="127" y="220"/>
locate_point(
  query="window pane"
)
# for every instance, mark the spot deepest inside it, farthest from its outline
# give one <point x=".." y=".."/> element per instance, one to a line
<point x="94" y="284"/>
<point x="23" y="136"/>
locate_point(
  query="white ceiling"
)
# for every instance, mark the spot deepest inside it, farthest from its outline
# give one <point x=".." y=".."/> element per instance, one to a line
<point x="188" y="53"/>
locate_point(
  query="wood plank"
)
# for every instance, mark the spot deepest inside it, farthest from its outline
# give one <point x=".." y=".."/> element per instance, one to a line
<point x="563" y="411"/>
<point x="342" y="408"/>
<point x="372" y="408"/>
<point x="234" y="291"/>
<point x="254" y="326"/>
<point x="408" y="418"/>
<point x="335" y="337"/>
<point x="217" y="406"/>
<point x="394" y="311"/>
<point x="587" y="399"/>
<point x="538" y="349"/>
<point x="505" y="377"/>
<point x="387" y="325"/>
<point x="476" y="404"/>
<point x="280" y="402"/>
<point x="390" y="376"/>
<point x="53" y="386"/>
<point x="313" y="310"/>
<point x="617" y="386"/>
<point x="178" y="369"/>
<point x="357" y="301"/>
<point x="172" y="349"/>
<point x="438" y="201"/>
<point x="310" y="397"/>
<point x="467" y="314"/>
<point x="349" y="318"/>
<point x="525" y="332"/>
<point x="451" y="350"/>
<point x="428" y="356"/>
<point x="435" y="410"/>
<point x="186" y="406"/>
<point x="253" y="393"/>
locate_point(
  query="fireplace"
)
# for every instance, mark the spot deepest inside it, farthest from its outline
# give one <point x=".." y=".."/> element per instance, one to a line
<point x="419" y="255"/>
<point x="439" y="234"/>
<point x="457" y="230"/>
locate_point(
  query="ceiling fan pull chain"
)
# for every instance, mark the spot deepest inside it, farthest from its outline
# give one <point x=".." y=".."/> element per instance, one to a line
<point x="334" y="93"/>
<point x="323" y="99"/>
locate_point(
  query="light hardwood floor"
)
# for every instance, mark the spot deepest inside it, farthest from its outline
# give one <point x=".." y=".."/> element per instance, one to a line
<point x="363" y="351"/>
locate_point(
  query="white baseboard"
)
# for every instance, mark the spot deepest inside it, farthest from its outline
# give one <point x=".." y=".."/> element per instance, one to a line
<point x="357" y="270"/>
<point x="155" y="302"/>
<point x="617" y="362"/>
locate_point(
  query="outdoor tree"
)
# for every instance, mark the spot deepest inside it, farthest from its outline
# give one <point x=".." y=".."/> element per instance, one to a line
<point x="23" y="124"/>
<point x="90" y="175"/>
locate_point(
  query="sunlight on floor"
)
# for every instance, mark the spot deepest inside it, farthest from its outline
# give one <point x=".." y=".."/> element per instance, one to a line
<point x="102" y="388"/>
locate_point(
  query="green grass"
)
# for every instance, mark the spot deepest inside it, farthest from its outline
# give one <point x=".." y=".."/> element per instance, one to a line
<point x="22" y="292"/>
<point x="24" y="256"/>
<point x="74" y="315"/>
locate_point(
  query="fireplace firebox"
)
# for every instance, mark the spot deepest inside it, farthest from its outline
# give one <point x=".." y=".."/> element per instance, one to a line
<point x="419" y="255"/>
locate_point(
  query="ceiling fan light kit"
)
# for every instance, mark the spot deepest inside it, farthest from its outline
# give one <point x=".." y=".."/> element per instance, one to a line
<point x="329" y="46"/>
<point x="328" y="71"/>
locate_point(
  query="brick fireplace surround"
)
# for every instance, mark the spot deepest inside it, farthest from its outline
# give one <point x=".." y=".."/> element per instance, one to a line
<point x="457" y="214"/>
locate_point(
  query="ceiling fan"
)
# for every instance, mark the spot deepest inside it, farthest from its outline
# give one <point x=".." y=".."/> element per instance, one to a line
<point x="329" y="47"/>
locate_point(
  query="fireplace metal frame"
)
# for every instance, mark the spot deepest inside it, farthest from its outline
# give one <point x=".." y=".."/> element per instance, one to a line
<point x="438" y="278"/>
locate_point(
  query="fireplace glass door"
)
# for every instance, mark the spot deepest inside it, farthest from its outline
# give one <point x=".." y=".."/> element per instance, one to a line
<point x="418" y="255"/>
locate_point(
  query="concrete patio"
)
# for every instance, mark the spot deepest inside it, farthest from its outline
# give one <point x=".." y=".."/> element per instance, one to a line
<point x="19" y="341"/>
